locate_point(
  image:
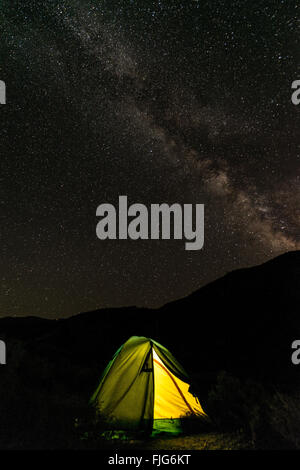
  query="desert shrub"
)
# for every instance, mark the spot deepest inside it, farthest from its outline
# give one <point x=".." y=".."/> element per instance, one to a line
<point x="270" y="419"/>
<point x="285" y="417"/>
<point x="235" y="404"/>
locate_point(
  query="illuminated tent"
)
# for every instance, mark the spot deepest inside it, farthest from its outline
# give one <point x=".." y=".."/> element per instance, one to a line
<point x="144" y="388"/>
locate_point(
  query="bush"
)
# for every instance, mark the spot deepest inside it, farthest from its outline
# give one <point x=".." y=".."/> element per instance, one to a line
<point x="285" y="418"/>
<point x="234" y="404"/>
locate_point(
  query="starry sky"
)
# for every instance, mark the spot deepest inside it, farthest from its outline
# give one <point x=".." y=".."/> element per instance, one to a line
<point x="163" y="101"/>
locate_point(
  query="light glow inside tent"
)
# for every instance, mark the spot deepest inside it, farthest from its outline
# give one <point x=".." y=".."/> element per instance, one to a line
<point x="172" y="399"/>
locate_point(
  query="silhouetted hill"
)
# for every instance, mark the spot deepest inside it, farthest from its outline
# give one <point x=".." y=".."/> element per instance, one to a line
<point x="243" y="323"/>
<point x="25" y="328"/>
<point x="246" y="321"/>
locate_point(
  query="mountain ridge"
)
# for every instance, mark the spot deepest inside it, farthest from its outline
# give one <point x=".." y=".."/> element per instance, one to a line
<point x="244" y="322"/>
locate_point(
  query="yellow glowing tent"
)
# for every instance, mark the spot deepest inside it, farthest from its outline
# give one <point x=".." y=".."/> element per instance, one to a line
<point x="144" y="388"/>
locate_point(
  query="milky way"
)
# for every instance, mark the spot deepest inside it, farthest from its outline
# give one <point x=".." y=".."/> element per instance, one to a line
<point x="164" y="101"/>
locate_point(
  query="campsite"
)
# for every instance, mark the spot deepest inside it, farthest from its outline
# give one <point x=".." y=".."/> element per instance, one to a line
<point x="242" y="371"/>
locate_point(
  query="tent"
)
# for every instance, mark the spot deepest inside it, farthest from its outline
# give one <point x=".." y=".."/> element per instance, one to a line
<point x="143" y="387"/>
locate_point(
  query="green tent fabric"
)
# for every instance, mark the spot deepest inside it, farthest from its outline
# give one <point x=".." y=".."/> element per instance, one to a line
<point x="125" y="397"/>
<point x="170" y="361"/>
<point x="124" y="394"/>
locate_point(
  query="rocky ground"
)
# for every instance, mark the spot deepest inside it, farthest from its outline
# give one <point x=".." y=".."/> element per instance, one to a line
<point x="207" y="441"/>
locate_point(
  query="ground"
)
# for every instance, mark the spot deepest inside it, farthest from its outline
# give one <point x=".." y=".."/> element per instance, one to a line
<point x="207" y="441"/>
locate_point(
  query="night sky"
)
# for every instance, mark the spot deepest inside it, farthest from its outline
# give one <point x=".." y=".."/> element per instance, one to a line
<point x="162" y="101"/>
